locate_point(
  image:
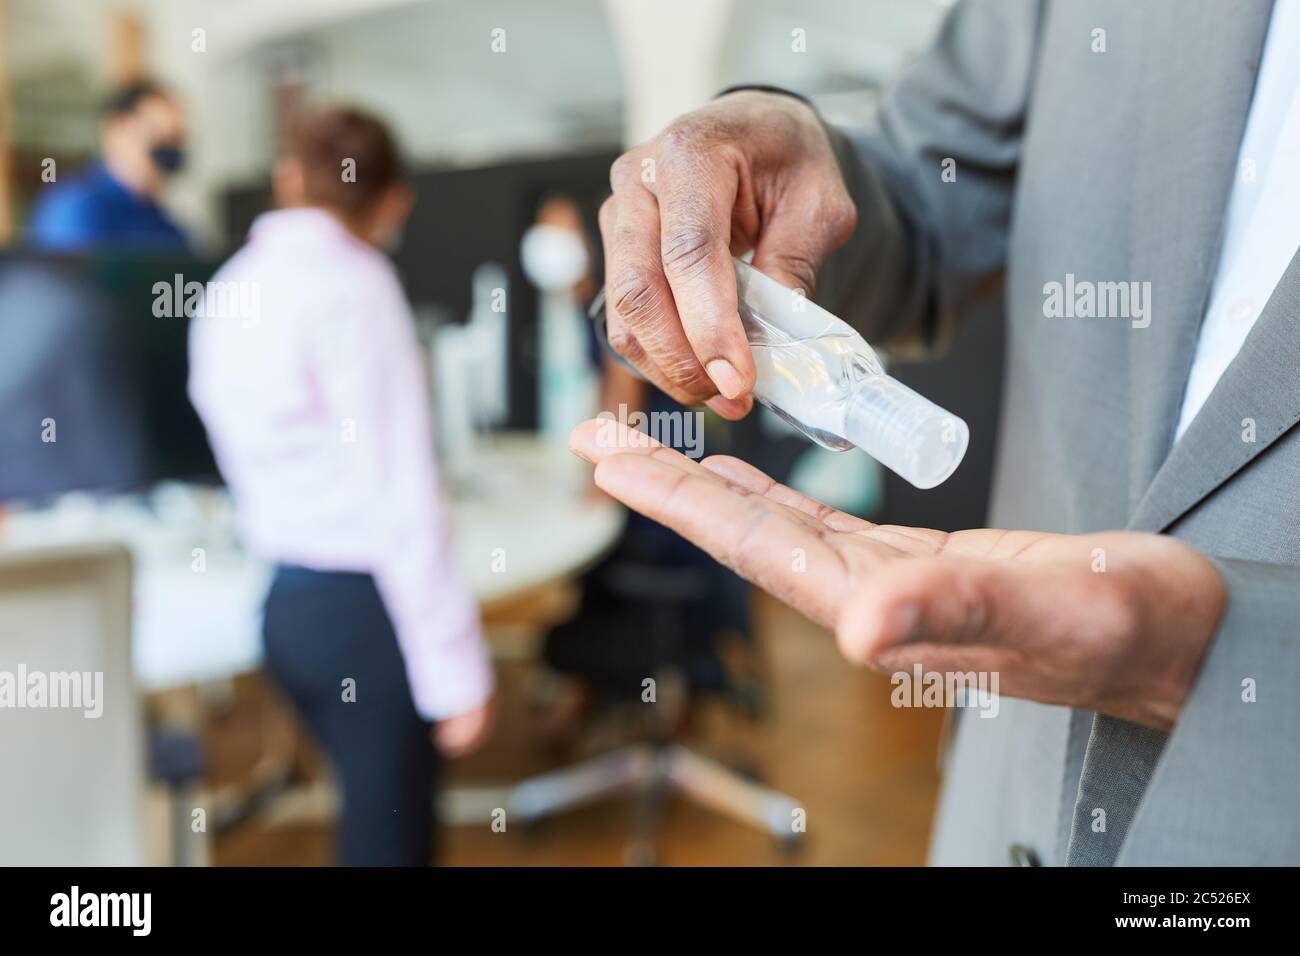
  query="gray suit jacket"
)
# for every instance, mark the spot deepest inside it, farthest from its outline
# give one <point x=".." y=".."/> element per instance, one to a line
<point x="1106" y="166"/>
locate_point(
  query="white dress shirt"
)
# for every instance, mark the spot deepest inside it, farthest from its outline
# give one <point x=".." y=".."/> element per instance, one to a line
<point x="318" y="412"/>
<point x="1263" y="216"/>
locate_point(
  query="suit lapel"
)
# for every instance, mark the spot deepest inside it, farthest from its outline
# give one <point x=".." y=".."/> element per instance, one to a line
<point x="1255" y="402"/>
<point x="1201" y="63"/>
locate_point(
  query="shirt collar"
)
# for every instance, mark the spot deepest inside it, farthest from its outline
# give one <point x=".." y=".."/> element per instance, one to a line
<point x="99" y="173"/>
<point x="299" y="224"/>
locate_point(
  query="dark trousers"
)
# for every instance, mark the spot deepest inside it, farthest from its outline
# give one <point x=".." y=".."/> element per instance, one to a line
<point x="322" y="630"/>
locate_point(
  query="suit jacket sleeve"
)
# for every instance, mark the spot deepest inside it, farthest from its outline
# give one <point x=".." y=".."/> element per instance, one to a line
<point x="933" y="179"/>
<point x="1231" y="759"/>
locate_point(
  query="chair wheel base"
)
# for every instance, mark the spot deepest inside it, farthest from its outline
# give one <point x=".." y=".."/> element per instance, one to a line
<point x="640" y="853"/>
<point x="792" y="845"/>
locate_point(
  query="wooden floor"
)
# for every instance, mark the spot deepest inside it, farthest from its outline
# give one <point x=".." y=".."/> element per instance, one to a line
<point x="864" y="771"/>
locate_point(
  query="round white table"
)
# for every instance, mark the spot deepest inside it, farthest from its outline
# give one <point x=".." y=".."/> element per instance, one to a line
<point x="521" y="517"/>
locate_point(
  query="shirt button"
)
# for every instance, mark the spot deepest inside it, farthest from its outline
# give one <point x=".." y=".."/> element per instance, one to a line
<point x="1022" y="855"/>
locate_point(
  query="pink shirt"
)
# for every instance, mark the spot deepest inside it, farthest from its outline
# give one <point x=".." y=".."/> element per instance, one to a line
<point x="305" y="370"/>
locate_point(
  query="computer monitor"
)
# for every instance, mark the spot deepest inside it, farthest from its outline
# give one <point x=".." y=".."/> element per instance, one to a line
<point x="93" y="368"/>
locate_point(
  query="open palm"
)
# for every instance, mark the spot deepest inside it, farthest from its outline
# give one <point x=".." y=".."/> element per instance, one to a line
<point x="1116" y="622"/>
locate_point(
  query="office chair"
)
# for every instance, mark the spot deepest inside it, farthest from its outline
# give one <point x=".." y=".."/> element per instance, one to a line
<point x="78" y="797"/>
<point x="72" y="790"/>
<point x="657" y="766"/>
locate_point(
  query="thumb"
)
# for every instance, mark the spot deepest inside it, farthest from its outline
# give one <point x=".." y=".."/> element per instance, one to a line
<point x="933" y="601"/>
<point x="805" y="228"/>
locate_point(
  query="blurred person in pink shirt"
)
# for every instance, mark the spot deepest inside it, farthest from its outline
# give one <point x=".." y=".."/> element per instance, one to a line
<point x="307" y="374"/>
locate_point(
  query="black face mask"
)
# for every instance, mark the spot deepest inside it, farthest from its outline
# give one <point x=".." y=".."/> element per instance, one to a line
<point x="168" y="159"/>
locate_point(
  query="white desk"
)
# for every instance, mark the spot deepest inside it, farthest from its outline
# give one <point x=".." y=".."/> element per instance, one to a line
<point x="517" y="494"/>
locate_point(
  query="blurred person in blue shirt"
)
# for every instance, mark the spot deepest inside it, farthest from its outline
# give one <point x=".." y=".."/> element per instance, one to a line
<point x="114" y="203"/>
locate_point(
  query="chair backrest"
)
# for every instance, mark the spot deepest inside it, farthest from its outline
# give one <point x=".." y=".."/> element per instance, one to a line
<point x="71" y="727"/>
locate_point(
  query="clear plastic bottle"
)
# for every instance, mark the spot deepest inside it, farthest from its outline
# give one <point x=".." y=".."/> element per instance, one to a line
<point x="822" y="377"/>
<point x="818" y="374"/>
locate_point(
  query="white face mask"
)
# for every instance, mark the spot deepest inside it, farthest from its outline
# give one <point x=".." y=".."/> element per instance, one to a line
<point x="554" y="259"/>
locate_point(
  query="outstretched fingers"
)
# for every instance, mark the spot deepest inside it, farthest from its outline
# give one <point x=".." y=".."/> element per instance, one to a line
<point x="747" y="476"/>
<point x="764" y="541"/>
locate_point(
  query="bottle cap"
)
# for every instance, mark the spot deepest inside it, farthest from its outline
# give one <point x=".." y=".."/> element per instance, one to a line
<point x="905" y="432"/>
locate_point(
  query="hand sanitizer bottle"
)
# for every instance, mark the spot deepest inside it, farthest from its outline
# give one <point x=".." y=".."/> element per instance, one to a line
<point x="817" y="373"/>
